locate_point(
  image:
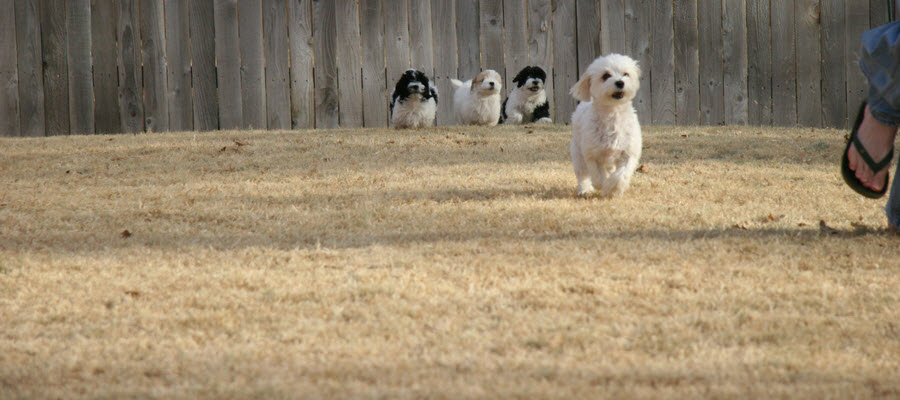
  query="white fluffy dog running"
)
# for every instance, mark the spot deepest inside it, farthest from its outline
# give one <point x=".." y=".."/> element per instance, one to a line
<point x="477" y="101"/>
<point x="606" y="135"/>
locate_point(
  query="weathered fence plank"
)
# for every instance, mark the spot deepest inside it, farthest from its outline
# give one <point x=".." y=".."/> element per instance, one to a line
<point x="325" y="46"/>
<point x="662" y="56"/>
<point x="278" y="96"/>
<point x="178" y="68"/>
<point x="687" y="62"/>
<point x="203" y="65"/>
<point x="540" y="44"/>
<point x="784" y="67"/>
<point x="709" y="25"/>
<point x="759" y="65"/>
<point x="565" y="60"/>
<point x="637" y="18"/>
<point x="55" y="72"/>
<point x="153" y="49"/>
<point x="396" y="41"/>
<point x="468" y="34"/>
<point x="734" y="61"/>
<point x="303" y="114"/>
<point x="857" y="14"/>
<point x="613" y="36"/>
<point x="374" y="85"/>
<point x="349" y="68"/>
<point x="491" y="23"/>
<point x="81" y="88"/>
<point x="421" y="54"/>
<point x="28" y="56"/>
<point x="9" y="71"/>
<point x="444" y="57"/>
<point x="228" y="65"/>
<point x="809" y="69"/>
<point x="131" y="90"/>
<point x="834" y="80"/>
<point x="515" y="26"/>
<point x="587" y="21"/>
<point x="106" y="116"/>
<point x="878" y="12"/>
<point x="253" y="83"/>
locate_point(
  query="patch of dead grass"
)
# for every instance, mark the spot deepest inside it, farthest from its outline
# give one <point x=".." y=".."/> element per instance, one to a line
<point x="449" y="263"/>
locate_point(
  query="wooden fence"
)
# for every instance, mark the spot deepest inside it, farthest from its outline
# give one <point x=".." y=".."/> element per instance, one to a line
<point x="106" y="66"/>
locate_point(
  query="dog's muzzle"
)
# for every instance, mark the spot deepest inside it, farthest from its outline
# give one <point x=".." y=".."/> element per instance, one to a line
<point x="618" y="95"/>
<point x="534" y="88"/>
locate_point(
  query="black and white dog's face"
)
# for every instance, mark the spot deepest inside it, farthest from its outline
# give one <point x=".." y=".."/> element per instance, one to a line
<point x="531" y="79"/>
<point x="413" y="84"/>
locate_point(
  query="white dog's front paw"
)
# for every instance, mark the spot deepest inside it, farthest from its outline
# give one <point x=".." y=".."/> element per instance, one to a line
<point x="613" y="188"/>
<point x="544" y="120"/>
<point x="585" y="189"/>
<point x="513" y="119"/>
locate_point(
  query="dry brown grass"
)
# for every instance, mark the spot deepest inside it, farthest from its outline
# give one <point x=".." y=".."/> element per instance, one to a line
<point x="445" y="263"/>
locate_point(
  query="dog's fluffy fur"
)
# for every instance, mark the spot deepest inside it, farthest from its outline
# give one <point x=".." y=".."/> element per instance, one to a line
<point x="414" y="101"/>
<point x="527" y="102"/>
<point x="477" y="101"/>
<point x="606" y="135"/>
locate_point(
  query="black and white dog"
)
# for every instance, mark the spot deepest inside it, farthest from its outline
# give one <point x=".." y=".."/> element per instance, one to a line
<point x="527" y="102"/>
<point x="414" y="101"/>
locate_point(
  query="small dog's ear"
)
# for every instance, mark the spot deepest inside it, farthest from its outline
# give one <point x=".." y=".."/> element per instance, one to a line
<point x="477" y="81"/>
<point x="582" y="89"/>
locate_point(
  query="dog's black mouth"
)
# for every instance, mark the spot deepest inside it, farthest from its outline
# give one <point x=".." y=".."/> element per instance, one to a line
<point x="534" y="88"/>
<point x="618" y="95"/>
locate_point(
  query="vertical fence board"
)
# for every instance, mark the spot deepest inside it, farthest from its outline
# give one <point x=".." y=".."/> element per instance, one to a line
<point x="349" y="68"/>
<point x="203" y="65"/>
<point x="421" y="54"/>
<point x="662" y="56"/>
<point x="587" y="20"/>
<point x="565" y="54"/>
<point x="784" y="68"/>
<point x="9" y="71"/>
<point x="687" y="64"/>
<point x="709" y="25"/>
<point x="540" y="43"/>
<point x="468" y="33"/>
<point x="153" y="49"/>
<point x="103" y="53"/>
<point x="857" y="14"/>
<point x="445" y="56"/>
<point x="734" y="49"/>
<point x="278" y="96"/>
<point x="302" y="97"/>
<point x="131" y="92"/>
<point x="56" y="74"/>
<point x="613" y="34"/>
<point x="228" y="65"/>
<point x="809" y="58"/>
<point x="637" y="17"/>
<point x="374" y="85"/>
<point x="253" y="85"/>
<point x="834" y="80"/>
<point x="28" y="56"/>
<point x="759" y="65"/>
<point x="515" y="26"/>
<point x="878" y="12"/>
<point x="491" y="21"/>
<point x="81" y="88"/>
<point x="396" y="40"/>
<point x="325" y="46"/>
<point x="178" y="69"/>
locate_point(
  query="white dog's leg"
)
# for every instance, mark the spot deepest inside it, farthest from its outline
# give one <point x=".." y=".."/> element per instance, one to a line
<point x="544" y="120"/>
<point x="514" y="117"/>
<point x="585" y="187"/>
<point x="619" y="180"/>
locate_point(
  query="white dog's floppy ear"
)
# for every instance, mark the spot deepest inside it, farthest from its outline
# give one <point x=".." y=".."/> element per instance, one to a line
<point x="582" y="89"/>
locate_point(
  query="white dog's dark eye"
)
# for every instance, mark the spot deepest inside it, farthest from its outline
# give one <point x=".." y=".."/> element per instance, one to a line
<point x="626" y="74"/>
<point x="606" y="76"/>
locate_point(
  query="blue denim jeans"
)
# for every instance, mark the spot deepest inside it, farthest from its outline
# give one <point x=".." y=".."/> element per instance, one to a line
<point x="880" y="62"/>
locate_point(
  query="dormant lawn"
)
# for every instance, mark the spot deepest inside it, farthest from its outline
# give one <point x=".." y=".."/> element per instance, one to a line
<point x="443" y="263"/>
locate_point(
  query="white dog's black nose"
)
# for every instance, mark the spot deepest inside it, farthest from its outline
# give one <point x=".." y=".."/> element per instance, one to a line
<point x="491" y="84"/>
<point x="620" y="84"/>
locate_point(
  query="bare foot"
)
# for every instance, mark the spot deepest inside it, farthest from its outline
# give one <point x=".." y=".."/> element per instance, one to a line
<point x="878" y="140"/>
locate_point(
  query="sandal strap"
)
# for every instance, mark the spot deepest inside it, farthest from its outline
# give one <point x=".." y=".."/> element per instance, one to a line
<point x="874" y="166"/>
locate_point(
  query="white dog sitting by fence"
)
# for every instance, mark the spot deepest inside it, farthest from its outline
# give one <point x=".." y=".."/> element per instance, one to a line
<point x="606" y="135"/>
<point x="477" y="101"/>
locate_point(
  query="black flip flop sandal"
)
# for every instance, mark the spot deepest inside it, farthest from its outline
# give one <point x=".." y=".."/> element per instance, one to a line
<point x="876" y="167"/>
